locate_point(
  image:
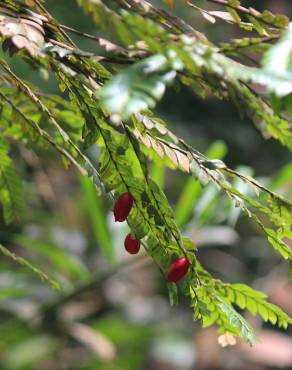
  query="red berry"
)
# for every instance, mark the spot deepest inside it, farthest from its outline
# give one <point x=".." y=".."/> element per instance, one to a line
<point x="123" y="207"/>
<point x="178" y="269"/>
<point x="132" y="245"/>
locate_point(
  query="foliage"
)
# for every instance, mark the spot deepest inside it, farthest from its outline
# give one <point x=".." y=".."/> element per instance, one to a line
<point x="11" y="187"/>
<point x="150" y="49"/>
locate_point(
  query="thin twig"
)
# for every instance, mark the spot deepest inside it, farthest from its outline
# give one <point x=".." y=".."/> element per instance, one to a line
<point x="245" y="11"/>
<point x="77" y="32"/>
<point x="43" y="134"/>
<point x="48" y="14"/>
<point x="44" y="109"/>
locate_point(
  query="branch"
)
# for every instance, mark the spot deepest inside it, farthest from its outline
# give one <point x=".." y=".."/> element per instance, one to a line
<point x="46" y="12"/>
<point x="43" y="134"/>
<point x="246" y="11"/>
<point x="28" y="92"/>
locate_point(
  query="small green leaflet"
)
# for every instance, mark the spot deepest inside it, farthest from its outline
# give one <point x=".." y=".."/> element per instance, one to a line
<point x="138" y="88"/>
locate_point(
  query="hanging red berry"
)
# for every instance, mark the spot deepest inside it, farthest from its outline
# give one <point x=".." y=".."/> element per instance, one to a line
<point x="123" y="206"/>
<point x="178" y="269"/>
<point x="132" y="246"/>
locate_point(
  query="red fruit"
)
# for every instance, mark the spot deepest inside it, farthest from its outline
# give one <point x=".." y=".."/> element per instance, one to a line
<point x="132" y="245"/>
<point x="123" y="207"/>
<point x="178" y="269"/>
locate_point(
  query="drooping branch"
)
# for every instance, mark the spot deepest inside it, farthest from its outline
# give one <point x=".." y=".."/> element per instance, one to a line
<point x="116" y="113"/>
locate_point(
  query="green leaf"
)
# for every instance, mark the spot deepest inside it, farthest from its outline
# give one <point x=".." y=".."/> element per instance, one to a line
<point x="257" y="25"/>
<point x="186" y="202"/>
<point x="11" y="192"/>
<point x="138" y="88"/>
<point x="255" y="302"/>
<point x="97" y="216"/>
<point x="282" y="178"/>
<point x="12" y="293"/>
<point x="173" y="294"/>
<point x="157" y="173"/>
<point x="234" y="14"/>
<point x="237" y="321"/>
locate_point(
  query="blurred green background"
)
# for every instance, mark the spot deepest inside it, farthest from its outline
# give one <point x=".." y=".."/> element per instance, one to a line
<point x="120" y="317"/>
